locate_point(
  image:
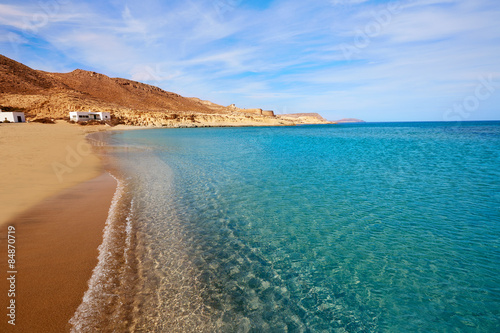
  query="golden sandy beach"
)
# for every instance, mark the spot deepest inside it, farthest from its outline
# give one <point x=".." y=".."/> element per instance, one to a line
<point x="54" y="192"/>
<point x="39" y="160"/>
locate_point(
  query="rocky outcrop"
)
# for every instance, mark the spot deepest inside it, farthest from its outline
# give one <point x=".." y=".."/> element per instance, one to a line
<point x="305" y="118"/>
<point x="160" y="119"/>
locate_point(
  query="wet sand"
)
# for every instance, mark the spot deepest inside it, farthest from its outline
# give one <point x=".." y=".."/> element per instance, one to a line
<point x="56" y="250"/>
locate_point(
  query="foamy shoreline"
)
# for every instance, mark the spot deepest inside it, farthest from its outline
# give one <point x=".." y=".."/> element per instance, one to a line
<point x="59" y="198"/>
<point x="57" y="248"/>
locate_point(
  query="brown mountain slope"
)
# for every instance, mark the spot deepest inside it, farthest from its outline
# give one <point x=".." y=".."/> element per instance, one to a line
<point x="127" y="93"/>
<point x="17" y="78"/>
<point x="83" y="89"/>
<point x="41" y="94"/>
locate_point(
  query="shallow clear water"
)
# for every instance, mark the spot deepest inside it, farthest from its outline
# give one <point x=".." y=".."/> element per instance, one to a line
<point x="335" y="228"/>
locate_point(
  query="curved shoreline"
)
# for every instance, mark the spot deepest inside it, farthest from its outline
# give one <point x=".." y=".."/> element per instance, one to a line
<point x="57" y="248"/>
<point x="56" y="195"/>
<point x="105" y="292"/>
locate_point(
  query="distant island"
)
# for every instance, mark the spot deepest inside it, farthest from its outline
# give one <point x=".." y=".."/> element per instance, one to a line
<point x="349" y="120"/>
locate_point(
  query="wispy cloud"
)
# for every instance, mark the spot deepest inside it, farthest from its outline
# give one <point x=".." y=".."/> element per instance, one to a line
<point x="406" y="64"/>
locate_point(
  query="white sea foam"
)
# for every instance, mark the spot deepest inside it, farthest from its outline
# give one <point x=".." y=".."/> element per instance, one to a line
<point x="95" y="298"/>
<point x="128" y="230"/>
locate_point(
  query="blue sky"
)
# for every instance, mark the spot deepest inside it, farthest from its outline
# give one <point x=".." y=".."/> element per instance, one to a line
<point x="406" y="60"/>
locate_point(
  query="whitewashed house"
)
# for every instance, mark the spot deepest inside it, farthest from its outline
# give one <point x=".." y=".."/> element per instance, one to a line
<point x="13" y="117"/>
<point x="88" y="115"/>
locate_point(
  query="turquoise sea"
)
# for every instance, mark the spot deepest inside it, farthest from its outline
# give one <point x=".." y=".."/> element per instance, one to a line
<point x="376" y="227"/>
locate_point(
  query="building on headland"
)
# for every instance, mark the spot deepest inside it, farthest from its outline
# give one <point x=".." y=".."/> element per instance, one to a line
<point x="89" y="115"/>
<point x="13" y="117"/>
<point x="259" y="112"/>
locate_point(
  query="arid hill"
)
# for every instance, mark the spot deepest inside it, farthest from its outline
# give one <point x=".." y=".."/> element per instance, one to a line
<point x="127" y="93"/>
<point x="42" y="94"/>
<point x="16" y="78"/>
<point x="306" y="118"/>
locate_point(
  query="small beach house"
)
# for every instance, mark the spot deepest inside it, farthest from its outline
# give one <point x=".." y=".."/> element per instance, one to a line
<point x="86" y="116"/>
<point x="13" y="117"/>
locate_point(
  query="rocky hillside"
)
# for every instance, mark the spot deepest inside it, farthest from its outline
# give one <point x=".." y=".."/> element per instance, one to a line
<point x="306" y="118"/>
<point x="42" y="94"/>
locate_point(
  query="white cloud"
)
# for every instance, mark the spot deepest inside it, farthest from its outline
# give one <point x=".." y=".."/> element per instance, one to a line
<point x="32" y="18"/>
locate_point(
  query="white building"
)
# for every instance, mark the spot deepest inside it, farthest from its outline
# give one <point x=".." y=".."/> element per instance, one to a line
<point x="13" y="117"/>
<point x="86" y="116"/>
